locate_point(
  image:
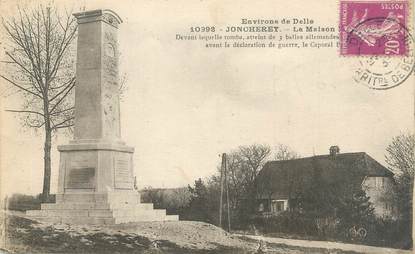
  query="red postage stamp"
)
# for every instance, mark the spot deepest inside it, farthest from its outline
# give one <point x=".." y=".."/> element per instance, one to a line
<point x="373" y="28"/>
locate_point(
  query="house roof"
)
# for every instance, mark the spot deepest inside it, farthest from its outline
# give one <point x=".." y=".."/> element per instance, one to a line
<point x="281" y="178"/>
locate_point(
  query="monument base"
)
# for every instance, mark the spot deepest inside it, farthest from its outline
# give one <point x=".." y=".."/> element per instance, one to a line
<point x="96" y="186"/>
<point x="99" y="208"/>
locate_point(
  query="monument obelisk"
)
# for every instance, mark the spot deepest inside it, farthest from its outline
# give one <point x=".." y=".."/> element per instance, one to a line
<point x="96" y="183"/>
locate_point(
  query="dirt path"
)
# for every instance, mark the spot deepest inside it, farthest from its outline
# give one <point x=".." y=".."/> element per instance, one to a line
<point x="330" y="245"/>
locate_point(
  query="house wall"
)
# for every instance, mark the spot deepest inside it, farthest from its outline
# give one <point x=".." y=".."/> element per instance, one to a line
<point x="379" y="190"/>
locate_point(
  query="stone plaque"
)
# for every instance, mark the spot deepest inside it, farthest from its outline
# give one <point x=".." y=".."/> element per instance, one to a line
<point x="80" y="178"/>
<point x="123" y="177"/>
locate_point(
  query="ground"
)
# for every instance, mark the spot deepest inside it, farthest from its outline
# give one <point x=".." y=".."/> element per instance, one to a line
<point x="26" y="236"/>
<point x="359" y="248"/>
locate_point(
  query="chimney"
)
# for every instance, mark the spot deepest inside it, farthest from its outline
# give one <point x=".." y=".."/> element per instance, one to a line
<point x="334" y="150"/>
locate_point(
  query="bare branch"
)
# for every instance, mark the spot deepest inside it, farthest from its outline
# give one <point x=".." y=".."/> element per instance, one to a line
<point x="21" y="65"/>
<point x="61" y="111"/>
<point x="63" y="126"/>
<point x="24" y="111"/>
<point x="20" y="87"/>
<point x="59" y="125"/>
<point x="35" y="125"/>
<point x="70" y="84"/>
<point x="63" y="97"/>
<point x="40" y="40"/>
<point x="400" y="154"/>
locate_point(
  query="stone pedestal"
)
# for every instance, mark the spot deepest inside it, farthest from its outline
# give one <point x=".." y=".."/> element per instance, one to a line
<point x="96" y="182"/>
<point x="99" y="208"/>
<point x="95" y="167"/>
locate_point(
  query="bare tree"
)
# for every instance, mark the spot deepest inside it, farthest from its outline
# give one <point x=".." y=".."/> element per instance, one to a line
<point x="284" y="152"/>
<point x="253" y="157"/>
<point x="244" y="164"/>
<point x="400" y="154"/>
<point x="400" y="158"/>
<point x="40" y="67"/>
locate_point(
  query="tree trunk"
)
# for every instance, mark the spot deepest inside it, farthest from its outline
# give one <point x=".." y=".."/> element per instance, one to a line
<point x="47" y="162"/>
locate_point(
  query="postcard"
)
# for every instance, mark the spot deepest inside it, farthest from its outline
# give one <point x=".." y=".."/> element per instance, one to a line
<point x="207" y="126"/>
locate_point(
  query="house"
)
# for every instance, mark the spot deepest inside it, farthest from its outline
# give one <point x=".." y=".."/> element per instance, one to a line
<point x="280" y="182"/>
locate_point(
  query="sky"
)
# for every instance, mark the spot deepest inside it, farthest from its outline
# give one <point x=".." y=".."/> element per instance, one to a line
<point x="186" y="104"/>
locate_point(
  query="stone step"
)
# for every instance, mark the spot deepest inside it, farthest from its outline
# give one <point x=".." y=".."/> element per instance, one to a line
<point x="137" y="210"/>
<point x="172" y="217"/>
<point x="89" y="220"/>
<point x="138" y="213"/>
<point x="70" y="213"/>
<point x="134" y="211"/>
<point x="124" y="197"/>
<point x="95" y="206"/>
<point x="52" y="213"/>
<point x="99" y="208"/>
<point x="74" y="206"/>
<point x="81" y="198"/>
<point x="143" y="217"/>
<point x="100" y="216"/>
<point x="142" y="206"/>
<point x="77" y="220"/>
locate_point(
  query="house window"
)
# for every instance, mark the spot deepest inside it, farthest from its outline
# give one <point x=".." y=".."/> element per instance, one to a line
<point x="379" y="182"/>
<point x="388" y="207"/>
<point x="278" y="206"/>
<point x="261" y="207"/>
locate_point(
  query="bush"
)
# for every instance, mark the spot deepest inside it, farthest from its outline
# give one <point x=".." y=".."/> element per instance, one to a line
<point x="287" y="222"/>
<point x="21" y="202"/>
<point x="173" y="200"/>
<point x="391" y="233"/>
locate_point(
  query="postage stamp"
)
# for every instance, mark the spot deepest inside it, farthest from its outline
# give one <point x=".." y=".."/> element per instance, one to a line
<point x="373" y="28"/>
<point x="377" y="33"/>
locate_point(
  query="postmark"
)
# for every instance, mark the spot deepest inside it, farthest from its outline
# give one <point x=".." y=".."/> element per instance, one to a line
<point x="373" y="28"/>
<point x="383" y="72"/>
<point x="376" y="33"/>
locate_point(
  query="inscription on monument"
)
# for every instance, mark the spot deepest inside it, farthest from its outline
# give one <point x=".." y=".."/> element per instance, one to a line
<point x="123" y="177"/>
<point x="80" y="178"/>
<point x="110" y="100"/>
